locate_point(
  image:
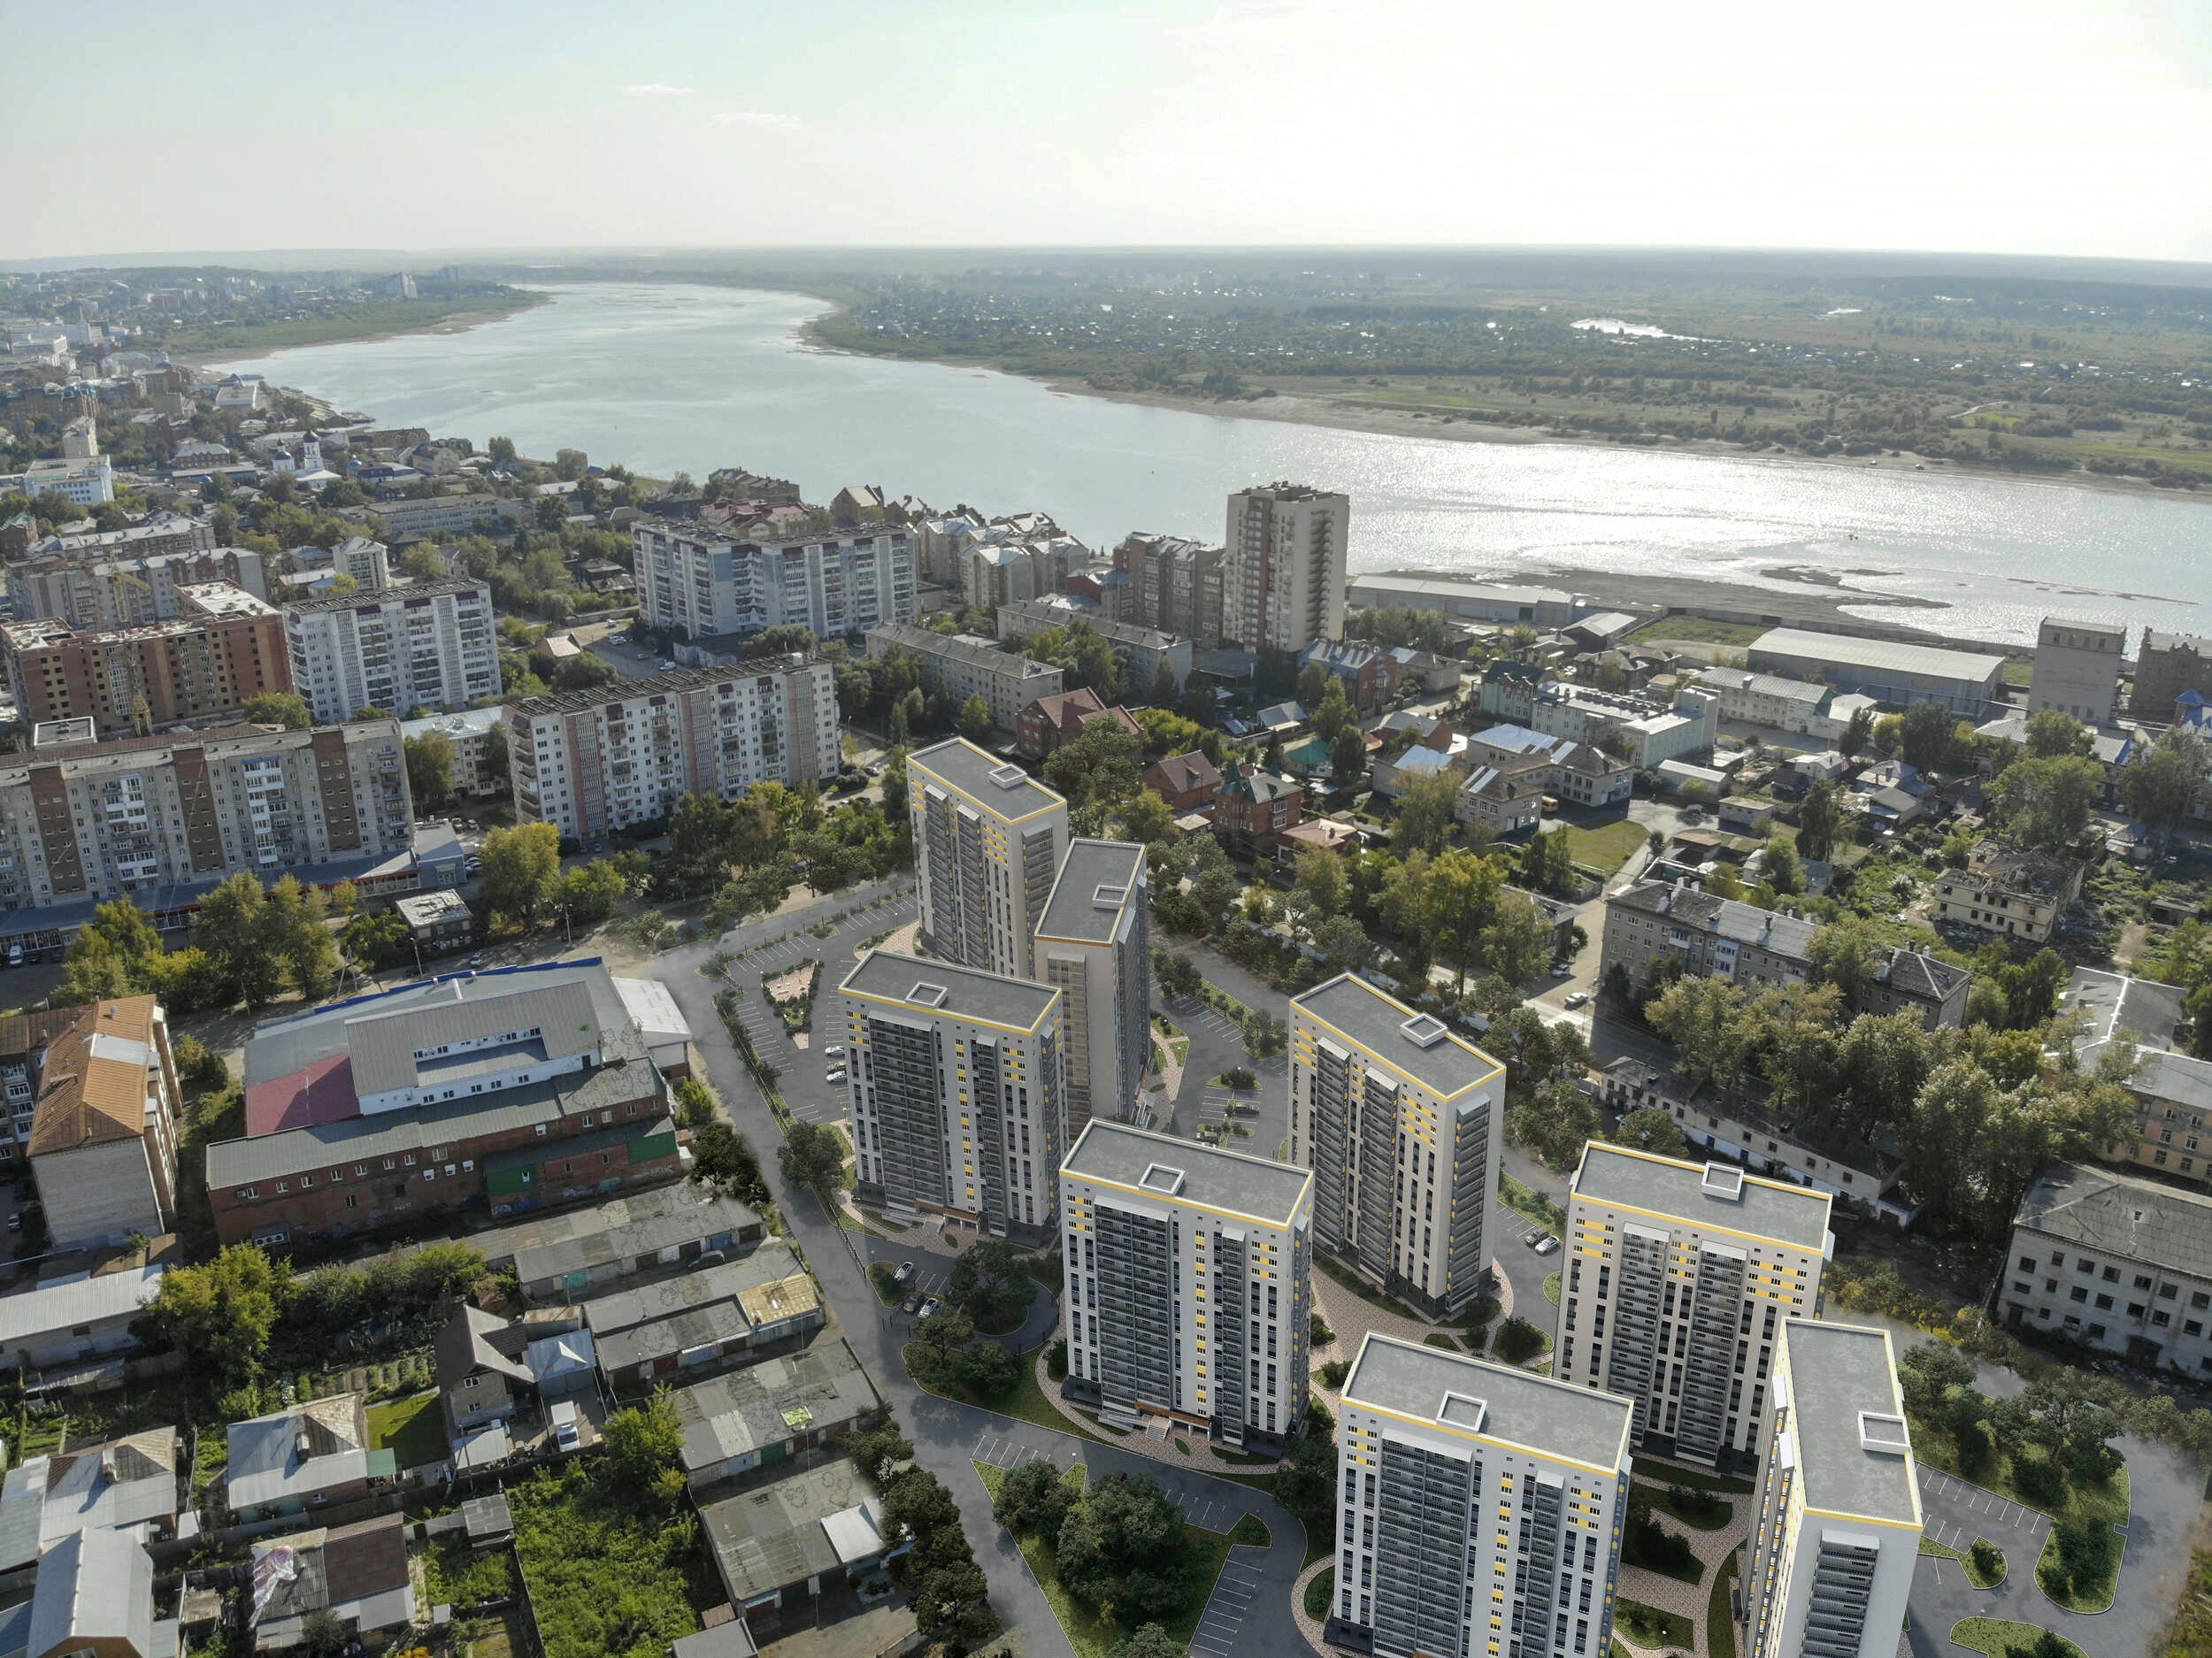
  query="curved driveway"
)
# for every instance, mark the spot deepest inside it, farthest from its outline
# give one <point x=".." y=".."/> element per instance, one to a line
<point x="946" y="1434"/>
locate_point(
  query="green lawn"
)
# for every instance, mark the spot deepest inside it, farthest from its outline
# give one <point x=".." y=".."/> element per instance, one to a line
<point x="1027" y="1402"/>
<point x="1551" y="1289"/>
<point x="1608" y="845"/>
<point x="1091" y="1635"/>
<point x="1648" y="1626"/>
<point x="1690" y="1514"/>
<point x="1999" y="1637"/>
<point x="1531" y="1205"/>
<point x="1320" y="1591"/>
<point x="1249" y="1532"/>
<point x="413" y="1429"/>
<point x="1720" y="1622"/>
<point x="1928" y="1545"/>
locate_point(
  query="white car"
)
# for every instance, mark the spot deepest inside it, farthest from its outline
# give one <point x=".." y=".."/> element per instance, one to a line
<point x="567" y="1435"/>
<point x="930" y="1306"/>
<point x="836" y="1077"/>
<point x="1578" y="998"/>
<point x="1563" y="971"/>
<point x="1547" y="1244"/>
<point x="668" y="667"/>
<point x="836" y="1052"/>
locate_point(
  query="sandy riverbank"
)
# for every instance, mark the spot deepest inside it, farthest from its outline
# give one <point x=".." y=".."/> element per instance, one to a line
<point x="1348" y="415"/>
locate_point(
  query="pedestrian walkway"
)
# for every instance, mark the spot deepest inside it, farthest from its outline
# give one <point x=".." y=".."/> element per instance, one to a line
<point x="1199" y="1454"/>
<point x="1693" y="1602"/>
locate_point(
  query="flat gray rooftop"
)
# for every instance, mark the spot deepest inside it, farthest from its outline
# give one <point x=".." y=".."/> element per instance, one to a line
<point x="997" y="785"/>
<point x="970" y="993"/>
<point x="1355" y="1009"/>
<point x="1257" y="1187"/>
<point x="1836" y="1371"/>
<point x="1098" y="881"/>
<point x="1665" y="1186"/>
<point x="1556" y="1418"/>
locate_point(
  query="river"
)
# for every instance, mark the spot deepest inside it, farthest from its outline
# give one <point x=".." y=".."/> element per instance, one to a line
<point x="668" y="377"/>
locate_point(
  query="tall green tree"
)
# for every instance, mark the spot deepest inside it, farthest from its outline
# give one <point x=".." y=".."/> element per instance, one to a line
<point x="287" y="708"/>
<point x="2046" y="804"/>
<point x="430" y="769"/>
<point x="1427" y="813"/>
<point x="219" y="1314"/>
<point x="1819" y="817"/>
<point x="2159" y="784"/>
<point x="521" y="872"/>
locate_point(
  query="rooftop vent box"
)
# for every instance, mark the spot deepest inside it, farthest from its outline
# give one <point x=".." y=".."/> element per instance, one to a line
<point x="1463" y="1410"/>
<point x="1159" y="1177"/>
<point x="1423" y="1030"/>
<point x="1108" y="897"/>
<point x="926" y="995"/>
<point x="1882" y="1434"/>
<point x="1008" y="776"/>
<point x="1724" y="1181"/>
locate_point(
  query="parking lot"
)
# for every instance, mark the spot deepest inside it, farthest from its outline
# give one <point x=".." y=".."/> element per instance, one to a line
<point x="1216" y="1635"/>
<point x="1217" y="1045"/>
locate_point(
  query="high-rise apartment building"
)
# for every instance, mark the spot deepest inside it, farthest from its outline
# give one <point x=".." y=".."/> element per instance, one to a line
<point x="1836" y="1529"/>
<point x="1679" y="1278"/>
<point x="223" y="647"/>
<point x="1093" y="946"/>
<point x="1480" y="1508"/>
<point x="703" y="583"/>
<point x="1170" y="583"/>
<point x="98" y="821"/>
<point x="988" y="841"/>
<point x="629" y="751"/>
<point x="1286" y="547"/>
<point x="1189" y="1283"/>
<point x="430" y="645"/>
<point x="1403" y="1124"/>
<point x="956" y="1077"/>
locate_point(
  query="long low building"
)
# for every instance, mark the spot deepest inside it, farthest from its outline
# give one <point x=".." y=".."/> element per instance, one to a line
<point x="1887" y="670"/>
<point x="75" y="1321"/>
<point x="963" y="665"/>
<point x="759" y="1415"/>
<point x="1471" y="601"/>
<point x="648" y="1335"/>
<point x="562" y="1255"/>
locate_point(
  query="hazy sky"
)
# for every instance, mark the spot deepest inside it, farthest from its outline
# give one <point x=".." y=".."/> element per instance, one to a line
<point x="2075" y="127"/>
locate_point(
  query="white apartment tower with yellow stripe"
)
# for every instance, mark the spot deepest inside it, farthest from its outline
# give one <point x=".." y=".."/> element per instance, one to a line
<point x="958" y="1088"/>
<point x="1679" y="1277"/>
<point x="1480" y="1508"/>
<point x="1189" y="1284"/>
<point x="988" y="842"/>
<point x="1836" y="1531"/>
<point x="1402" y="1122"/>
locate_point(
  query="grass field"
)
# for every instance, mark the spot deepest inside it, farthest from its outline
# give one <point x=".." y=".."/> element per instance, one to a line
<point x="1551" y="1289"/>
<point x="1608" y="845"/>
<point x="412" y="1429"/>
<point x="1697" y="630"/>
<point x="1091" y="1635"/>
<point x="1319" y="1591"/>
<point x="1720" y="1622"/>
<point x="1928" y="1545"/>
<point x="2000" y="1637"/>
<point x="1648" y="1626"/>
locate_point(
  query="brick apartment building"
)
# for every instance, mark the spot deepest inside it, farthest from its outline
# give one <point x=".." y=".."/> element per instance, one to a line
<point x="223" y="647"/>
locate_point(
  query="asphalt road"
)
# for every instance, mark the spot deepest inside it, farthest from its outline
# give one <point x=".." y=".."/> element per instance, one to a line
<point x="948" y="1436"/>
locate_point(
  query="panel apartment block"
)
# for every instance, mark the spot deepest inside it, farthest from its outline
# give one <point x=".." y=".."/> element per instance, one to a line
<point x="224" y="647"/>
<point x="1286" y="547"/>
<point x="1680" y="1277"/>
<point x="963" y="665"/>
<point x="103" y="820"/>
<point x="1093" y="946"/>
<point x="1480" y="1508"/>
<point x="1836" y="1529"/>
<point x="988" y="842"/>
<point x="98" y="591"/>
<point x="958" y="1090"/>
<point x="1402" y="1122"/>
<point x="2115" y="1260"/>
<point x="1189" y="1283"/>
<point x="431" y="645"/>
<point x="835" y="583"/>
<point x="627" y="752"/>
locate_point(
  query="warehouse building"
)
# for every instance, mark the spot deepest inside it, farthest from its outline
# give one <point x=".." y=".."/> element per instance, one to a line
<point x="1900" y="674"/>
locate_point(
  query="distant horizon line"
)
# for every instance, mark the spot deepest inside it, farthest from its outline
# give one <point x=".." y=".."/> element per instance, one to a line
<point x="380" y="258"/>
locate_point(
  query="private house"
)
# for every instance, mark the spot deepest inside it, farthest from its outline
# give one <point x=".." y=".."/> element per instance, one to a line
<point x="76" y="1327"/>
<point x="1255" y="808"/>
<point x="104" y="1140"/>
<point x="1369" y="674"/>
<point x="94" y="1595"/>
<point x="356" y="1573"/>
<point x="1187" y="782"/>
<point x="127" y="1485"/>
<point x="1050" y="722"/>
<point x="314" y="1453"/>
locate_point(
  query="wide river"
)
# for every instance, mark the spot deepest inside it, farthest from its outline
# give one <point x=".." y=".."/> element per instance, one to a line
<point x="668" y="377"/>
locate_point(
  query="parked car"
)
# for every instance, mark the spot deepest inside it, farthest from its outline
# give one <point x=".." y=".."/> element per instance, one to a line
<point x="905" y="1272"/>
<point x="930" y="1307"/>
<point x="568" y="1434"/>
<point x="1562" y="970"/>
<point x="1547" y="1244"/>
<point x="477" y="960"/>
<point x="836" y="1051"/>
<point x="15" y="955"/>
<point x="1530" y="1236"/>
